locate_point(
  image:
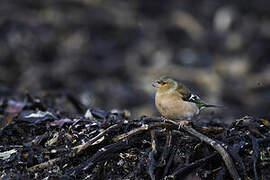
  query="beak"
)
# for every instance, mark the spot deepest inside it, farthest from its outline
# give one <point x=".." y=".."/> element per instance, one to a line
<point x="155" y="84"/>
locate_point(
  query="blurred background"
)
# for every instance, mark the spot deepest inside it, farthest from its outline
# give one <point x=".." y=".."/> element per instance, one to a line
<point x="106" y="53"/>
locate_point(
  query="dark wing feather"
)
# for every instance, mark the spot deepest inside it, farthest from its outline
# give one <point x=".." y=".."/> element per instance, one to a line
<point x="188" y="96"/>
<point x="200" y="104"/>
<point x="184" y="92"/>
<point x="195" y="99"/>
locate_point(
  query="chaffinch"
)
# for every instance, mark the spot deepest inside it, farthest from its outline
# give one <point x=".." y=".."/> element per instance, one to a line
<point x="174" y="101"/>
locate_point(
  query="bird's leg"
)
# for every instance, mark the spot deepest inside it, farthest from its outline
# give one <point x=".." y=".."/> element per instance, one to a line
<point x="164" y="119"/>
<point x="181" y="123"/>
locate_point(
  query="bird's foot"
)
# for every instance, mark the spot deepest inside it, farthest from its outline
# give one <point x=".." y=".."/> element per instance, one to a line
<point x="164" y="119"/>
<point x="182" y="123"/>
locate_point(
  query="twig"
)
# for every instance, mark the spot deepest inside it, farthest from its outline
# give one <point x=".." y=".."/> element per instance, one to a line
<point x="172" y="124"/>
<point x="221" y="173"/>
<point x="153" y="141"/>
<point x="234" y="151"/>
<point x="172" y="154"/>
<point x="215" y="130"/>
<point x="82" y="147"/>
<point x="195" y="164"/>
<point x="226" y="157"/>
<point x="103" y="153"/>
<point x="151" y="119"/>
<point x="255" y="148"/>
<point x="133" y="132"/>
<point x="164" y="155"/>
<point x="141" y="129"/>
<point x="78" y="149"/>
<point x="264" y="140"/>
<point x="44" y="165"/>
<point x="151" y="161"/>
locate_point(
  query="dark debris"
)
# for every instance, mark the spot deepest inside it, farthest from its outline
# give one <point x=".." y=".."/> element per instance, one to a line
<point x="99" y="144"/>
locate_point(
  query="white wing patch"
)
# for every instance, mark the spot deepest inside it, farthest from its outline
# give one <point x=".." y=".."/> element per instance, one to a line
<point x="194" y="97"/>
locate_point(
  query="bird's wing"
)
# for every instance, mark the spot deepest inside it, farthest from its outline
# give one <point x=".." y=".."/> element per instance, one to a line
<point x="196" y="99"/>
<point x="185" y="93"/>
<point x="200" y="104"/>
<point x="189" y="97"/>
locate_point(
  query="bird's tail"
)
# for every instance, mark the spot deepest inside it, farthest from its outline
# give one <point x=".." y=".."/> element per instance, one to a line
<point x="212" y="105"/>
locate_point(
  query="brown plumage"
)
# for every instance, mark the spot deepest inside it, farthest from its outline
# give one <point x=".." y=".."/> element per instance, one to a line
<point x="174" y="101"/>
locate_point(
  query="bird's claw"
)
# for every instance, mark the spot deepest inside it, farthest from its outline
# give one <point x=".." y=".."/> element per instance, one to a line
<point x="182" y="123"/>
<point x="164" y="119"/>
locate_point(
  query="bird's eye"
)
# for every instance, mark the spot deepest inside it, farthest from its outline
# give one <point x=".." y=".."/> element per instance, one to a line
<point x="163" y="82"/>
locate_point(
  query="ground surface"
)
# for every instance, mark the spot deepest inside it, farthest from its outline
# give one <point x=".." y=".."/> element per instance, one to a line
<point x="39" y="142"/>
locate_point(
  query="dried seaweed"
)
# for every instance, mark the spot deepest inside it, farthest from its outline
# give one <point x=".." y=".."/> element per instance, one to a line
<point x="38" y="143"/>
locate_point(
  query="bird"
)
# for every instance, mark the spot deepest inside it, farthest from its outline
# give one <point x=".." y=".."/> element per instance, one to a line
<point x="174" y="101"/>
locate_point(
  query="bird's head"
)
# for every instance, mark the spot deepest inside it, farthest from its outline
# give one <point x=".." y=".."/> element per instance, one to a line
<point x="164" y="84"/>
